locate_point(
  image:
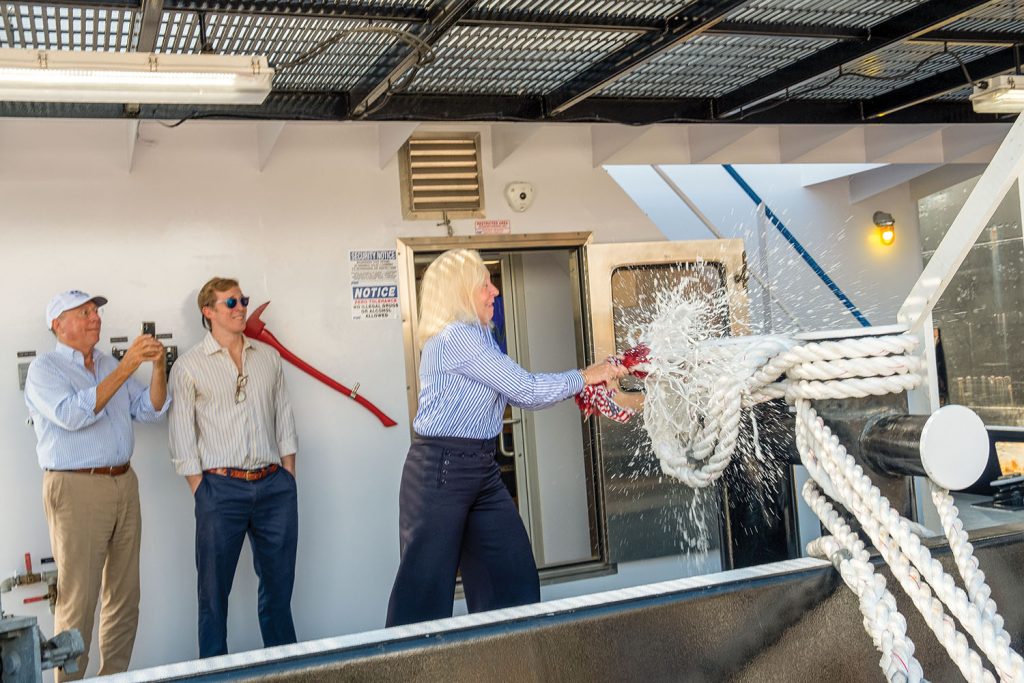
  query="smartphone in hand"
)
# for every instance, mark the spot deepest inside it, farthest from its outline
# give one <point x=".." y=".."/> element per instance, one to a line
<point x="149" y="328"/>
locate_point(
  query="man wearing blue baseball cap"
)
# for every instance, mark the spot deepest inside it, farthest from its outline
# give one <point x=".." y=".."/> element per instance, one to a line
<point x="82" y="403"/>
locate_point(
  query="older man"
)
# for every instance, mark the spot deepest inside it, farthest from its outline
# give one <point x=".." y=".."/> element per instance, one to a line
<point x="233" y="439"/>
<point x="82" y="403"/>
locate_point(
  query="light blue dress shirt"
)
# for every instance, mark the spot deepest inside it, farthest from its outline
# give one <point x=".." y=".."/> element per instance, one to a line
<point x="61" y="396"/>
<point x="466" y="382"/>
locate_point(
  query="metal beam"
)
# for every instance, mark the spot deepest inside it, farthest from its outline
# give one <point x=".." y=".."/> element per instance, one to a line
<point x="313" y="8"/>
<point x="972" y="37"/>
<point x="287" y="106"/>
<point x="424" y="107"/>
<point x="923" y="18"/>
<point x="149" y="25"/>
<point x="695" y="19"/>
<point x="300" y="106"/>
<point x="939" y="84"/>
<point x="402" y="57"/>
<point x="785" y="30"/>
<point x="420" y="107"/>
<point x="816" y="31"/>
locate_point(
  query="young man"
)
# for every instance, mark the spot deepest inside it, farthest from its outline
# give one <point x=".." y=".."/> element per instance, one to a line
<point x="233" y="439"/>
<point x="82" y="403"/>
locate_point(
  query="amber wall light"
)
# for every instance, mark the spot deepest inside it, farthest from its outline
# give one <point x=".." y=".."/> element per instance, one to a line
<point x="886" y="226"/>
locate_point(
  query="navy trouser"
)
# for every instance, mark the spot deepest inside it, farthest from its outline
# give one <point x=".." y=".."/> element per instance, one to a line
<point x="226" y="511"/>
<point x="454" y="512"/>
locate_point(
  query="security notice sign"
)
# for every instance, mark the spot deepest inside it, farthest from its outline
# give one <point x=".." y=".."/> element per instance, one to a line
<point x="374" y="279"/>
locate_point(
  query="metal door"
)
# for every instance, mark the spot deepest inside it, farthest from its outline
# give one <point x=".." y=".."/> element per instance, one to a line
<point x="648" y="514"/>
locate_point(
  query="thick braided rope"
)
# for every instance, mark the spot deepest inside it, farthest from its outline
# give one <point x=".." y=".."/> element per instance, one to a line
<point x="695" y="423"/>
<point x="901" y="549"/>
<point x="773" y="367"/>
<point x="963" y="554"/>
<point x="882" y="618"/>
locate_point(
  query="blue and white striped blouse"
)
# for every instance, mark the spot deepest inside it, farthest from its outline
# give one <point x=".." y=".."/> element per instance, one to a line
<point x="466" y="382"/>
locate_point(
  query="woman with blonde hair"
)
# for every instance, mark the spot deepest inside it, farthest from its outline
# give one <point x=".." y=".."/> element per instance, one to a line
<point x="454" y="511"/>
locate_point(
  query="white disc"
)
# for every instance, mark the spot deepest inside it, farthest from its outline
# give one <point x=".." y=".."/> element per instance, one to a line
<point x="954" y="447"/>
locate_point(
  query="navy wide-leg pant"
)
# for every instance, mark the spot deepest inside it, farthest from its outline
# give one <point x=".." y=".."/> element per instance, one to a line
<point x="455" y="513"/>
<point x="226" y="511"/>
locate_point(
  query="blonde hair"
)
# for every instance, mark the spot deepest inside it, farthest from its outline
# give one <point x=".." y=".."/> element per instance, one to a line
<point x="447" y="292"/>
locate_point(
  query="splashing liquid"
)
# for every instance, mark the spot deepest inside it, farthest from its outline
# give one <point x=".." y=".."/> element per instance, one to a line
<point x="691" y="356"/>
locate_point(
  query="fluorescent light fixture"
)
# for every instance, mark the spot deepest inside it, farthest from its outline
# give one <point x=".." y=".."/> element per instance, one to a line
<point x="999" y="95"/>
<point x="135" y="77"/>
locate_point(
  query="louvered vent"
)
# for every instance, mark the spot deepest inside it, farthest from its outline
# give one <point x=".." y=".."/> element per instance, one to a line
<point x="440" y="174"/>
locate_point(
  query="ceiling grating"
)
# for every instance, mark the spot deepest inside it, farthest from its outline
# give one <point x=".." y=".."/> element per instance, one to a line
<point x="283" y="40"/>
<point x="822" y="12"/>
<point x="49" y="27"/>
<point x="511" y="61"/>
<point x="630" y="61"/>
<point x="608" y="10"/>
<point x="1006" y="17"/>
<point x="893" y="68"/>
<point x="712" y="65"/>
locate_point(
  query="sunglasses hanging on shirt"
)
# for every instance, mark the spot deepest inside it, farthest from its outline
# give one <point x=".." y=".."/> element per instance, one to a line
<point x="240" y="385"/>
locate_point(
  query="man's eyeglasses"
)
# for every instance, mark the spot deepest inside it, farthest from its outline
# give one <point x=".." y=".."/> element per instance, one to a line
<point x="85" y="312"/>
<point x="240" y="386"/>
<point x="232" y="301"/>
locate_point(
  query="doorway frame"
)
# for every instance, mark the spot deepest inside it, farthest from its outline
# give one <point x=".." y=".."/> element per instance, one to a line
<point x="408" y="247"/>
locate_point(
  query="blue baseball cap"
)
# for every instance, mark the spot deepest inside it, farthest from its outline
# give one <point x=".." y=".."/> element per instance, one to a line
<point x="65" y="301"/>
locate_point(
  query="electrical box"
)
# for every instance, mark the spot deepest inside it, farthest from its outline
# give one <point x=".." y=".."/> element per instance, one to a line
<point x="23" y="364"/>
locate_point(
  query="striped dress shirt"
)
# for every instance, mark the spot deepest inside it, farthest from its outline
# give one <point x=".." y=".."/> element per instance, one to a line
<point x="209" y="428"/>
<point x="466" y="382"/>
<point x="61" y="397"/>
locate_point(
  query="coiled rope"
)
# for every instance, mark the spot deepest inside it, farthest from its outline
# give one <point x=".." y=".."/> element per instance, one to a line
<point x="693" y="412"/>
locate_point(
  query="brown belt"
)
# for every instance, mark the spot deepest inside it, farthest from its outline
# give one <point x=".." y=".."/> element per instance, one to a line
<point x="247" y="475"/>
<point x="111" y="471"/>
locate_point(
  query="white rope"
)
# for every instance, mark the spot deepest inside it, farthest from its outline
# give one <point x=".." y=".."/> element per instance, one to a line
<point x="882" y="525"/>
<point x="882" y="618"/>
<point x="974" y="579"/>
<point x="692" y="415"/>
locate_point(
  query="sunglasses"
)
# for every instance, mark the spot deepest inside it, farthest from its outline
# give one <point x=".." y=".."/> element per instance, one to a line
<point x="231" y="301"/>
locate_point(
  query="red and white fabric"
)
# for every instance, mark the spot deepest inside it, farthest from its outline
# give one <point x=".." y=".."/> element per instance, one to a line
<point x="599" y="398"/>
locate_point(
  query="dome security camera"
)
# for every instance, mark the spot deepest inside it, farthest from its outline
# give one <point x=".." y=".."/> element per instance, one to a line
<point x="519" y="195"/>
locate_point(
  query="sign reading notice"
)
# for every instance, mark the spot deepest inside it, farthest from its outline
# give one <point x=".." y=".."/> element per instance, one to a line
<point x="494" y="226"/>
<point x="374" y="279"/>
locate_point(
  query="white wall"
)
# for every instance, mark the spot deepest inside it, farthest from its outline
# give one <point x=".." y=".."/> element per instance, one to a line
<point x="195" y="205"/>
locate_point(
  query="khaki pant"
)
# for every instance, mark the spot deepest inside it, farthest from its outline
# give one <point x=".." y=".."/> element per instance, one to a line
<point x="95" y="534"/>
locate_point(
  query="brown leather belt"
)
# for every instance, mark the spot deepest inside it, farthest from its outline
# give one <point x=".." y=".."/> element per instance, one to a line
<point x="247" y="475"/>
<point x="111" y="471"/>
